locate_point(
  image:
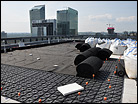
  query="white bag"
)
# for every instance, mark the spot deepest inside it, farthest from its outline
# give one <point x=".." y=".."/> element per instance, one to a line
<point x="100" y="40"/>
<point x="118" y="47"/>
<point x="91" y="41"/>
<point x="21" y="44"/>
<point x="130" y="61"/>
<point x="104" y="45"/>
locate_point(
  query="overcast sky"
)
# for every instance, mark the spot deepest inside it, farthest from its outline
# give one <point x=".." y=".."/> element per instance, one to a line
<point x="92" y="15"/>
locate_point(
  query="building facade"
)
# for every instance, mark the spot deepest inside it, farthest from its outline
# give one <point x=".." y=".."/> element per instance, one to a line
<point x="44" y="27"/>
<point x="110" y="30"/>
<point x="37" y="13"/>
<point x="67" y="22"/>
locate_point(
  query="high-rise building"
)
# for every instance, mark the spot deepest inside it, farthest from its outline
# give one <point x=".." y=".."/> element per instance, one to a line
<point x="67" y="22"/>
<point x="44" y="27"/>
<point x="37" y="13"/>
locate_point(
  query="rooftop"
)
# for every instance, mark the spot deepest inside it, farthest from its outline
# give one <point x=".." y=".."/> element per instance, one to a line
<point x="38" y="7"/>
<point x="66" y="9"/>
<point x="110" y="28"/>
<point x="60" y="60"/>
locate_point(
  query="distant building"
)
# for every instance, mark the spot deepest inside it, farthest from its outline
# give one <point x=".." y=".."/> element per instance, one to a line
<point x="44" y="27"/>
<point x="67" y="22"/>
<point x="3" y="34"/>
<point x="98" y="34"/>
<point x="37" y="13"/>
<point x="110" y="30"/>
<point x="132" y="33"/>
<point x="125" y="33"/>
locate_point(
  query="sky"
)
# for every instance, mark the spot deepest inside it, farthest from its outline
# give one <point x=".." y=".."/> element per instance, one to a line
<point x="93" y="16"/>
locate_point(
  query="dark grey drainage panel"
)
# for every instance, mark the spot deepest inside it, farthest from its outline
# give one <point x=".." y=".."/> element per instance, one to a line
<point x="36" y="84"/>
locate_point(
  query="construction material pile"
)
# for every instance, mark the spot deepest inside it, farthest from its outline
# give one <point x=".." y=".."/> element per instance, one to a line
<point x="103" y="49"/>
<point x="91" y="60"/>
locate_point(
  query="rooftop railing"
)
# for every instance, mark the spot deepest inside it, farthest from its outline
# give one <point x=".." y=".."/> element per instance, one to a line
<point x="12" y="42"/>
<point x="58" y="37"/>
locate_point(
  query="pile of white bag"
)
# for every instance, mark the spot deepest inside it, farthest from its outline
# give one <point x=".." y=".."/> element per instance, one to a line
<point x="127" y="48"/>
<point x="97" y="42"/>
<point x="130" y="60"/>
<point x="118" y="47"/>
<point x="130" y="42"/>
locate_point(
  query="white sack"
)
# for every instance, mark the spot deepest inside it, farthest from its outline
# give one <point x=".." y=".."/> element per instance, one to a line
<point x="91" y="41"/>
<point x="104" y="45"/>
<point x="130" y="61"/>
<point x="21" y="44"/>
<point x="118" y="47"/>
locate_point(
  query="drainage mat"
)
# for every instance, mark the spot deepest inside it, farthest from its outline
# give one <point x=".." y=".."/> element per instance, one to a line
<point x="35" y="84"/>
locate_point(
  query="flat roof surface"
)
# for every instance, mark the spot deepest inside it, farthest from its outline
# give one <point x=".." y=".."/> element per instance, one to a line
<point x="60" y="59"/>
<point x="62" y="55"/>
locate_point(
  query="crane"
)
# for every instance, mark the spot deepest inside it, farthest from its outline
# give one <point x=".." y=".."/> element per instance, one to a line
<point x="110" y="24"/>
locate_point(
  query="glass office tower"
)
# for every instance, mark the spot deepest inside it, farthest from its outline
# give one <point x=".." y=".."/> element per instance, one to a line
<point x="37" y="13"/>
<point x="67" y="22"/>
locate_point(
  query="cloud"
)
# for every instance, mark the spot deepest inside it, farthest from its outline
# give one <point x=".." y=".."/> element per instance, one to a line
<point x="103" y="16"/>
<point x="125" y="19"/>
